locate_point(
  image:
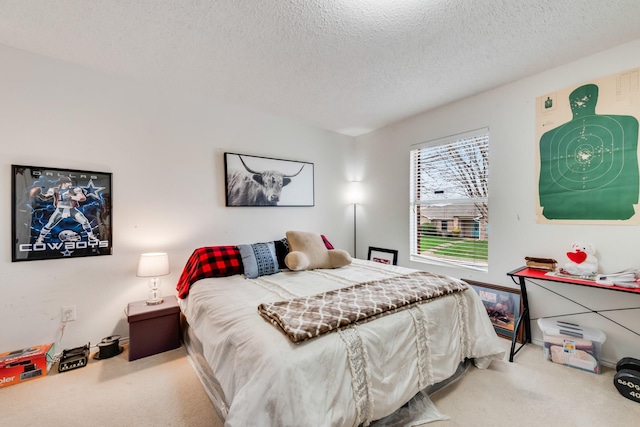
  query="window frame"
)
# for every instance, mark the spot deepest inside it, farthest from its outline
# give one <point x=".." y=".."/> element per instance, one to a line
<point x="469" y="202"/>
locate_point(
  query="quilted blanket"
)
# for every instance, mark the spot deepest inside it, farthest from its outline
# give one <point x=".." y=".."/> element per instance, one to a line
<point x="303" y="318"/>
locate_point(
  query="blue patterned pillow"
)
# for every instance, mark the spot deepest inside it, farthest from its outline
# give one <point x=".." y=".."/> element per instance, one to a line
<point x="259" y="259"/>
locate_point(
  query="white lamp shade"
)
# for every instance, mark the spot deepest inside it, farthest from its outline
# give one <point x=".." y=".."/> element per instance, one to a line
<point x="355" y="192"/>
<point x="153" y="265"/>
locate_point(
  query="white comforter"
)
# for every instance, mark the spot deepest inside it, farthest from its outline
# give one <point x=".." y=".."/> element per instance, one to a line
<point x="269" y="381"/>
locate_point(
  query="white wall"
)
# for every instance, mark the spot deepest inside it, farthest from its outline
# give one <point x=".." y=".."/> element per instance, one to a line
<point x="508" y="111"/>
<point x="165" y="151"/>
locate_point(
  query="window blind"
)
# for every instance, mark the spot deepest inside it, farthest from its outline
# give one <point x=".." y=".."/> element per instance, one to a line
<point x="449" y="200"/>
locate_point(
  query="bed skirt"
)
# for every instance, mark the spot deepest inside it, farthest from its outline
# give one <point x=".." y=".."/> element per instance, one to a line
<point x="203" y="371"/>
<point x="410" y="411"/>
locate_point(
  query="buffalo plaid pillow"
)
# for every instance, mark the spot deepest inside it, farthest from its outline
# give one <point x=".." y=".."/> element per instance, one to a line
<point x="210" y="261"/>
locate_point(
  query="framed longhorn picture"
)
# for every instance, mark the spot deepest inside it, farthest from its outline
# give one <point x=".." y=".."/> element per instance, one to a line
<point x="59" y="213"/>
<point x="263" y="181"/>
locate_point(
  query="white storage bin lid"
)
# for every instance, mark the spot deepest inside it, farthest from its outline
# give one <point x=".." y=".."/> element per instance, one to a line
<point x="558" y="327"/>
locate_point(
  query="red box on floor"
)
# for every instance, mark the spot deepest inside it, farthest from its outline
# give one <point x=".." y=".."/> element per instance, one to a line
<point x="23" y="365"/>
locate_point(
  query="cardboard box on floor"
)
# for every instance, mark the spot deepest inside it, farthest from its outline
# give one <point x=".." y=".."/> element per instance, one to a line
<point x="23" y="365"/>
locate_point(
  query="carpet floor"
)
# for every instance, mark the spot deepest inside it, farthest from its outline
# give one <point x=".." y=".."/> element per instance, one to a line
<point x="163" y="390"/>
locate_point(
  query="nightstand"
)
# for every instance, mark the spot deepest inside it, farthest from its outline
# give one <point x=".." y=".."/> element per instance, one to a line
<point x="153" y="328"/>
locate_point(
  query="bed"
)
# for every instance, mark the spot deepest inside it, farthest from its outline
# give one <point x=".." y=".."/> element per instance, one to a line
<point x="351" y="375"/>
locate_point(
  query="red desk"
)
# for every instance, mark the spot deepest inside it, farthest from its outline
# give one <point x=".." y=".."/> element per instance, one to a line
<point x="524" y="320"/>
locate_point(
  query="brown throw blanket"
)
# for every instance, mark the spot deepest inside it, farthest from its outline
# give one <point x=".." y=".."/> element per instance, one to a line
<point x="303" y="318"/>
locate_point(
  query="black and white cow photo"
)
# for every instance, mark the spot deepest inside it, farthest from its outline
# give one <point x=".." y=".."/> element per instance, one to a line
<point x="263" y="181"/>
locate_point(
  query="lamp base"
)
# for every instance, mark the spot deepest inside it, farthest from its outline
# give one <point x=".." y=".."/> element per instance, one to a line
<point x="154" y="297"/>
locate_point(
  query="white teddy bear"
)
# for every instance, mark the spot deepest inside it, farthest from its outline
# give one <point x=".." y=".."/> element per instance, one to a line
<point x="582" y="260"/>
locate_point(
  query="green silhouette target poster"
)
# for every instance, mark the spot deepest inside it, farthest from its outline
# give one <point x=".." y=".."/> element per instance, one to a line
<point x="588" y="152"/>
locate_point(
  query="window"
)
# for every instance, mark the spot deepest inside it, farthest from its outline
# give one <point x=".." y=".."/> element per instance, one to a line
<point x="449" y="201"/>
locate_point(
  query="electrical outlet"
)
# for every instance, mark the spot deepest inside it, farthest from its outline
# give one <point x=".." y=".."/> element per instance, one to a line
<point x="68" y="313"/>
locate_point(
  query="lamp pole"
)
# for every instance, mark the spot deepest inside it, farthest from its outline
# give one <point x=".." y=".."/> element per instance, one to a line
<point x="354" y="230"/>
<point x="355" y="196"/>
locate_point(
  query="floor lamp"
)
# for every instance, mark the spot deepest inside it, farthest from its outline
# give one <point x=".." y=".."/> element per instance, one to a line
<point x="355" y="197"/>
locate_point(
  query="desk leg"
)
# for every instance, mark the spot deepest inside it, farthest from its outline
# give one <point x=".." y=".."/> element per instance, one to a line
<point x="526" y="338"/>
<point x="524" y="316"/>
<point x="523" y="321"/>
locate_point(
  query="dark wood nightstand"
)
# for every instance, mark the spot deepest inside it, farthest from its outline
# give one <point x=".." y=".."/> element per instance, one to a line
<point x="153" y="328"/>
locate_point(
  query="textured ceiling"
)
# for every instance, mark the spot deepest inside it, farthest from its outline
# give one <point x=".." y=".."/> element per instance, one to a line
<point x="350" y="66"/>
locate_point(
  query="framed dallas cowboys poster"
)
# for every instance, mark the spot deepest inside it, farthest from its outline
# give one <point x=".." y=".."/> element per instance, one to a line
<point x="59" y="213"/>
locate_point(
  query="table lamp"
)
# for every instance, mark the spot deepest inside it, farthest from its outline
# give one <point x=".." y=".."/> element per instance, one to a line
<point x="153" y="265"/>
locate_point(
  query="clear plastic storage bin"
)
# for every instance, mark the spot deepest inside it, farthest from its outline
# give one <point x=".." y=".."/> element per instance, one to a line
<point x="572" y="345"/>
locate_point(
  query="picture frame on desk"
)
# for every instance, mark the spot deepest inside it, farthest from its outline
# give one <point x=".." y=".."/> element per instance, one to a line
<point x="504" y="306"/>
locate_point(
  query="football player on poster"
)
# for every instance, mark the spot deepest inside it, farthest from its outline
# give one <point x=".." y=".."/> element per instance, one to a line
<point x="66" y="199"/>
